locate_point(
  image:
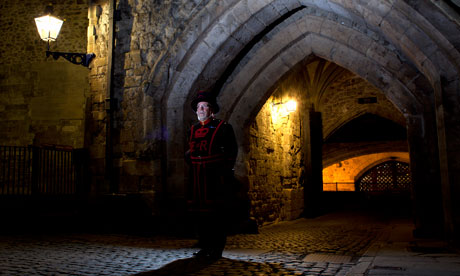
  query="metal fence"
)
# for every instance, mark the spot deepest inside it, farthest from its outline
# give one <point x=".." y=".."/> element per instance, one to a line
<point x="339" y="186"/>
<point x="45" y="170"/>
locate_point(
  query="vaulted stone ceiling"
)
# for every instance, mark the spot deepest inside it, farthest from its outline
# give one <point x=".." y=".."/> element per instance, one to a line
<point x="323" y="86"/>
<point x="336" y="92"/>
<point x="320" y="75"/>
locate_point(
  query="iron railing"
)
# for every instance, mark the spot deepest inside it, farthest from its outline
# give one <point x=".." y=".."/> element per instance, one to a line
<point x="45" y="170"/>
<point x="338" y="186"/>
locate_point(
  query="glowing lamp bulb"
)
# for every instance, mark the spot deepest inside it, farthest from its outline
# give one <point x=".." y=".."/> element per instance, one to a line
<point x="48" y="27"/>
<point x="291" y="106"/>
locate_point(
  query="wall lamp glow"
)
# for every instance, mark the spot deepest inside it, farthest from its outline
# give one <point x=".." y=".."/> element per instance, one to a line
<point x="282" y="110"/>
<point x="48" y="28"/>
<point x="289" y="106"/>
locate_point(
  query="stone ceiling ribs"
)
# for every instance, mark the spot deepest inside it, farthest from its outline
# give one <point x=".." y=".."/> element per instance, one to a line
<point x="243" y="52"/>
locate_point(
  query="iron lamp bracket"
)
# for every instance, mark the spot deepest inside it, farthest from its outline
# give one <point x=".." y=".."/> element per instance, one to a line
<point x="75" y="58"/>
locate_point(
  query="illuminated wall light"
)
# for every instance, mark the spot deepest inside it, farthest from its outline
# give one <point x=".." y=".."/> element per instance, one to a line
<point x="282" y="110"/>
<point x="275" y="113"/>
<point x="48" y="28"/>
<point x="291" y="106"/>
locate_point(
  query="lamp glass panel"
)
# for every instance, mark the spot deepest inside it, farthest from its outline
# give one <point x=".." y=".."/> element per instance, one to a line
<point x="48" y="27"/>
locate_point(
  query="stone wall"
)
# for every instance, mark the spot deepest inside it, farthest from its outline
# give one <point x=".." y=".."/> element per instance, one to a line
<point x="144" y="32"/>
<point x="275" y="159"/>
<point x="42" y="101"/>
<point x="96" y="114"/>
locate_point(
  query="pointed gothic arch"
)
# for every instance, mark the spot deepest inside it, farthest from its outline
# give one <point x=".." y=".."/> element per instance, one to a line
<point x="379" y="43"/>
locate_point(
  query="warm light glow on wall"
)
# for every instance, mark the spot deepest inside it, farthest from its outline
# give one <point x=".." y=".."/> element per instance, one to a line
<point x="274" y="166"/>
<point x="291" y="106"/>
<point x="341" y="176"/>
<point x="282" y="110"/>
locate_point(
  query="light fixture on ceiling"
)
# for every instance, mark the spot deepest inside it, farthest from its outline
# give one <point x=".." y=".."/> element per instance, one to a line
<point x="48" y="27"/>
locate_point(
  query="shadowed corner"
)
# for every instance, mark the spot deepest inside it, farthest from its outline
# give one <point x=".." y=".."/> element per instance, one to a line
<point x="194" y="266"/>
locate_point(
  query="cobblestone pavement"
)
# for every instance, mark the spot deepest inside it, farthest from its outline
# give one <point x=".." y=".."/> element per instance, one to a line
<point x="329" y="245"/>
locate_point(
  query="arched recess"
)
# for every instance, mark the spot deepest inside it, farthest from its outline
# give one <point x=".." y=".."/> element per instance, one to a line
<point x="389" y="44"/>
<point x="343" y="152"/>
<point x="389" y="137"/>
<point x="347" y="171"/>
<point x="341" y="122"/>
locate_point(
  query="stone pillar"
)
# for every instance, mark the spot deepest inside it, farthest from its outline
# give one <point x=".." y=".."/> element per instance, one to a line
<point x="96" y="115"/>
<point x="447" y="109"/>
<point x="426" y="185"/>
<point x="313" y="182"/>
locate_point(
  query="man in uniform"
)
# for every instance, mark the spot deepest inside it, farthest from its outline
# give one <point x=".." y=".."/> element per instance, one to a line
<point x="211" y="155"/>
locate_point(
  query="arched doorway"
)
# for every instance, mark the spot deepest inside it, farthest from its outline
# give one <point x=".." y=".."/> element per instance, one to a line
<point x="267" y="40"/>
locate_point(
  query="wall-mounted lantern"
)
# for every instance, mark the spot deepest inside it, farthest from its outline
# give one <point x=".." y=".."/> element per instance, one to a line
<point x="48" y="27"/>
<point x="291" y="106"/>
<point x="282" y="110"/>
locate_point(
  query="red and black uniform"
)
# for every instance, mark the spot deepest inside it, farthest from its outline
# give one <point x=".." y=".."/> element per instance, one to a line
<point x="212" y="152"/>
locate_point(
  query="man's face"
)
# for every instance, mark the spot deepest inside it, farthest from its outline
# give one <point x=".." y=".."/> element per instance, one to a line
<point x="203" y="111"/>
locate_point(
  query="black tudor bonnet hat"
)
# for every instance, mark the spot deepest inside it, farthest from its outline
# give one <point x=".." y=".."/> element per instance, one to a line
<point x="205" y="96"/>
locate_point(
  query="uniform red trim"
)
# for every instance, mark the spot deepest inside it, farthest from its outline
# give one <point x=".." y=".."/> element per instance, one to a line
<point x="213" y="135"/>
<point x="191" y="134"/>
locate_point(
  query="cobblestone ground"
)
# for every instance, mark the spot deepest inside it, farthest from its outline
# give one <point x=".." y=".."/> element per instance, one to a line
<point x="329" y="245"/>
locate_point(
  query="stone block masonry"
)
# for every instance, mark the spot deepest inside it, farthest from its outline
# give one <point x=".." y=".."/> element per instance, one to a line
<point x="275" y="162"/>
<point x="42" y="101"/>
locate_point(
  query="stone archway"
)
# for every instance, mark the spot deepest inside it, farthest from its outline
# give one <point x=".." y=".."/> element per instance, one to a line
<point x="379" y="42"/>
